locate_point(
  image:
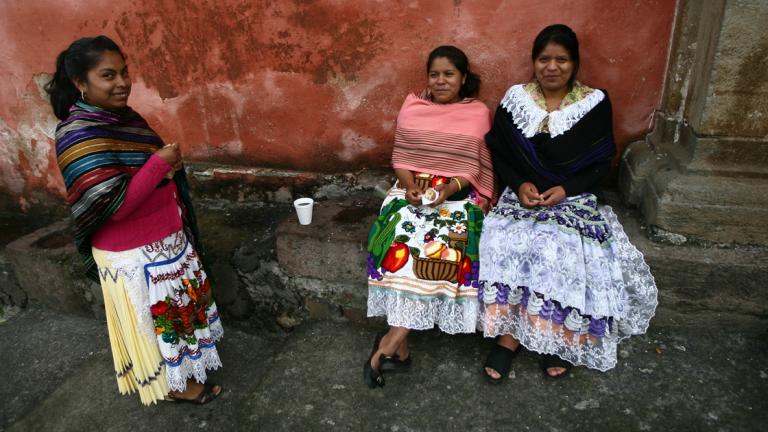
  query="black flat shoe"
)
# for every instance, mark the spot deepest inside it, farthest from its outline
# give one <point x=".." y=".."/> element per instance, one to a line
<point x="373" y="377"/>
<point x="552" y="361"/>
<point x="394" y="364"/>
<point x="500" y="360"/>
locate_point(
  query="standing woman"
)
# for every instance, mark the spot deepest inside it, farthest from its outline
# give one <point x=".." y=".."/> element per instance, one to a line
<point x="135" y="227"/>
<point x="422" y="259"/>
<point x="558" y="273"/>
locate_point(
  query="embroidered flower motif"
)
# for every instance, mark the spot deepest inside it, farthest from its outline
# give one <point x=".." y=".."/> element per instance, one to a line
<point x="159" y="308"/>
<point x="515" y="295"/>
<point x="458" y="228"/>
<point x="534" y="304"/>
<point x="444" y="213"/>
<point x="408" y="227"/>
<point x="458" y="215"/>
<point x="489" y="293"/>
<point x="573" y="321"/>
<point x="428" y="237"/>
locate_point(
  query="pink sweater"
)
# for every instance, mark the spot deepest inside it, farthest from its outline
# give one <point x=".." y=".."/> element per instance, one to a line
<point x="149" y="213"/>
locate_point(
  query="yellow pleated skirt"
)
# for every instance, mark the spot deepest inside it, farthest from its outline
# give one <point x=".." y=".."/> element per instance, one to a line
<point x="163" y="323"/>
<point x="137" y="360"/>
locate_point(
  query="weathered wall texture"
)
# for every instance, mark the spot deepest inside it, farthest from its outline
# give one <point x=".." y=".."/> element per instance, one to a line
<point x="737" y="98"/>
<point x="303" y="85"/>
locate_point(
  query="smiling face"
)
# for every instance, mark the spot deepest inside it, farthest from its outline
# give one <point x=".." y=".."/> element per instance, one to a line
<point x="107" y="84"/>
<point x="553" y="67"/>
<point x="445" y="81"/>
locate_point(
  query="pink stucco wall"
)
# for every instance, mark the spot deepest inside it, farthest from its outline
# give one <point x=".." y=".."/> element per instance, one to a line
<point x="304" y="85"/>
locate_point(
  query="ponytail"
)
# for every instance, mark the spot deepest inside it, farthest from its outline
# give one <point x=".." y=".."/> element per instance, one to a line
<point x="72" y="65"/>
<point x="471" y="86"/>
<point x="63" y="93"/>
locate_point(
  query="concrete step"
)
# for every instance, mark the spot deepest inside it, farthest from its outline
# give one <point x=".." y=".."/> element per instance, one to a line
<point x="269" y="272"/>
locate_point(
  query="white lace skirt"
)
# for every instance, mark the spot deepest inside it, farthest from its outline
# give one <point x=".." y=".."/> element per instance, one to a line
<point x="163" y="323"/>
<point x="563" y="280"/>
<point x="422" y="264"/>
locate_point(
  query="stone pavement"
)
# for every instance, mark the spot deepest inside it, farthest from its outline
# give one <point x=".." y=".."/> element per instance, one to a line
<point x="695" y="371"/>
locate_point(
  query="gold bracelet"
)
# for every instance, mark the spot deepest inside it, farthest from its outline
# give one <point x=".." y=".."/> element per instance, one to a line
<point x="457" y="182"/>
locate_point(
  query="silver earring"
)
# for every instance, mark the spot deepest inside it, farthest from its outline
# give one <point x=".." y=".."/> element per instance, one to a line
<point x="82" y="95"/>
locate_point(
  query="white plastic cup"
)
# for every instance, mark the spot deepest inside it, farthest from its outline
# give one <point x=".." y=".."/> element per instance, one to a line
<point x="304" y="210"/>
<point x="429" y="196"/>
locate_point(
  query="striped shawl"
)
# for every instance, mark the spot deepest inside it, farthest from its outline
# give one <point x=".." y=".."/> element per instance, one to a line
<point x="445" y="140"/>
<point x="98" y="152"/>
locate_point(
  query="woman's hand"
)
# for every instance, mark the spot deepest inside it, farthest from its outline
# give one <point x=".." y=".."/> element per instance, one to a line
<point x="445" y="190"/>
<point x="553" y="196"/>
<point x="528" y="195"/>
<point x="413" y="195"/>
<point x="171" y="155"/>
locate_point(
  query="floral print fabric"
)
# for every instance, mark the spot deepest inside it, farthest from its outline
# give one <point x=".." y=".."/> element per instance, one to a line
<point x="563" y="280"/>
<point x="423" y="264"/>
<point x="172" y="297"/>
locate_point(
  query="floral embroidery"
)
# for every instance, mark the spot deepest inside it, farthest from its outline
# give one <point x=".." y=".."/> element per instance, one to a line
<point x="408" y="227"/>
<point x="577" y="93"/>
<point x="458" y="215"/>
<point x="458" y="228"/>
<point x="174" y="319"/>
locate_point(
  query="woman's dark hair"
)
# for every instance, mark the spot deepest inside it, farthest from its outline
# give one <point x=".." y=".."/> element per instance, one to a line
<point x="471" y="85"/>
<point x="73" y="64"/>
<point x="562" y="35"/>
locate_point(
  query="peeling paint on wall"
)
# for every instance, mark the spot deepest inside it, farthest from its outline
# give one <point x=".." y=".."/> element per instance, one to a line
<point x="311" y="85"/>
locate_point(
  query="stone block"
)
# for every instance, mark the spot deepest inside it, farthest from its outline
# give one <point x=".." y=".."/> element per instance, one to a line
<point x="636" y="163"/>
<point x="702" y="276"/>
<point x="333" y="247"/>
<point x="50" y="271"/>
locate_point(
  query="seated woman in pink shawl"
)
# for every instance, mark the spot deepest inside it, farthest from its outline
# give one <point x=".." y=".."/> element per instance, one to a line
<point x="423" y="247"/>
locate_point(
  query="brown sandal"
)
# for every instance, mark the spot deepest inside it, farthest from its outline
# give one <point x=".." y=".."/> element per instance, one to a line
<point x="206" y="395"/>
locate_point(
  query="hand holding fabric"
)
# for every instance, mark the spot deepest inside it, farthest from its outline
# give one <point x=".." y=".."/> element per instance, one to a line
<point x="171" y="154"/>
<point x="413" y="195"/>
<point x="529" y="195"/>
<point x="553" y="196"/>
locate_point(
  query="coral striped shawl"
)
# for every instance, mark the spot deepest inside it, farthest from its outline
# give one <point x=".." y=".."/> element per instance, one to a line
<point x="98" y="151"/>
<point x="445" y="140"/>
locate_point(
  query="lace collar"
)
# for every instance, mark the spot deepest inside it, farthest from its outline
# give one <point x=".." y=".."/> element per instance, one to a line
<point x="526" y="104"/>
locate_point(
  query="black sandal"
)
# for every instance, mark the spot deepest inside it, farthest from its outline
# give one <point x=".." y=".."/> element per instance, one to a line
<point x="500" y="360"/>
<point x="394" y="364"/>
<point x="373" y="377"/>
<point x="549" y="361"/>
<point x="206" y="395"/>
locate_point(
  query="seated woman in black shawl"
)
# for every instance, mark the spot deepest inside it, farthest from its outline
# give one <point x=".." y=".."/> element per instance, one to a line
<point x="558" y="274"/>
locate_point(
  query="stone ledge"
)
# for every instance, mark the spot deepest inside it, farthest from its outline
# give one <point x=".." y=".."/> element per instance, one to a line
<point x="333" y="247"/>
<point x="50" y="272"/>
<point x="269" y="271"/>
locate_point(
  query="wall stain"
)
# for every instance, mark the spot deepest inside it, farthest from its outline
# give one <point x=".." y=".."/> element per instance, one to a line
<point x="752" y="76"/>
<point x="206" y="42"/>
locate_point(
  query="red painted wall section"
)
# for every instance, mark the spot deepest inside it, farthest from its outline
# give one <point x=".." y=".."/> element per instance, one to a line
<point x="305" y="85"/>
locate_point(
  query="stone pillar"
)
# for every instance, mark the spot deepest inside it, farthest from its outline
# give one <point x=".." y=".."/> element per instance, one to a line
<point x="702" y="173"/>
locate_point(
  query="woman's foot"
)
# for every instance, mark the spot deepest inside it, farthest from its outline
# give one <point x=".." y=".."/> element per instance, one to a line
<point x="554" y="366"/>
<point x="372" y="375"/>
<point x="499" y="360"/>
<point x="400" y="361"/>
<point x="386" y="346"/>
<point x="197" y="393"/>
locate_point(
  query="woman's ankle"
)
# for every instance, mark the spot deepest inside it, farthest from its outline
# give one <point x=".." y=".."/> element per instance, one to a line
<point x="508" y="342"/>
